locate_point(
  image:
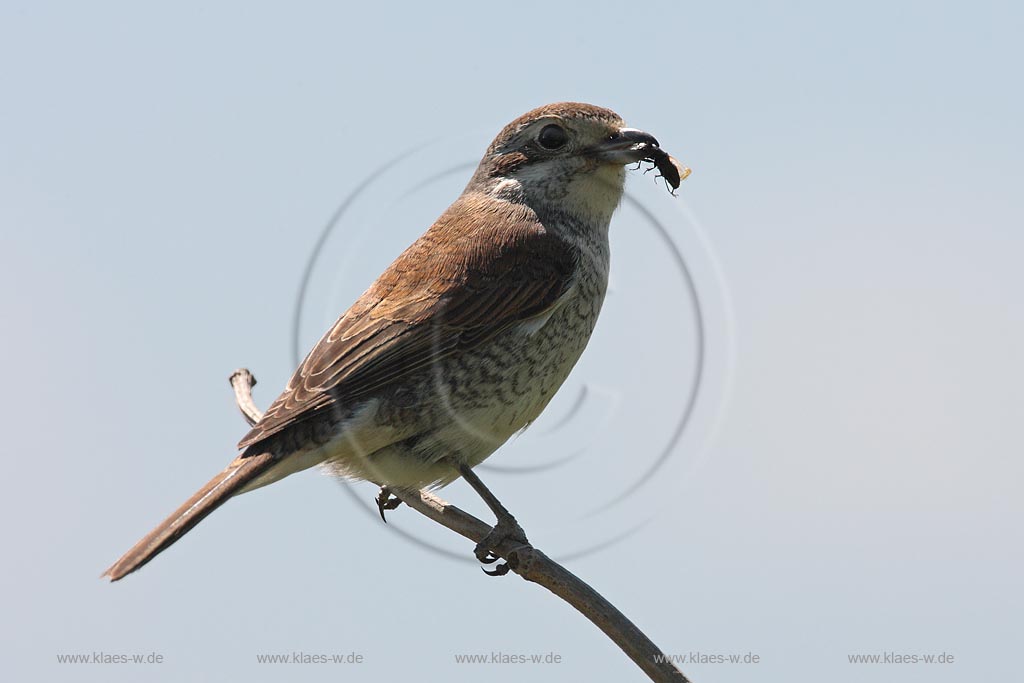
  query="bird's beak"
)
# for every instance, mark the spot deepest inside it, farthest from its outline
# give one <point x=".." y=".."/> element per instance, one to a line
<point x="626" y="146"/>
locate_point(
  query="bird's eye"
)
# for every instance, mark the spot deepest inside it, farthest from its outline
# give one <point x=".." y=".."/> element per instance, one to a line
<point x="552" y="136"/>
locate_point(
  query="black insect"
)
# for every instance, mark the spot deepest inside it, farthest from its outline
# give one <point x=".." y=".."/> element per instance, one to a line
<point x="668" y="168"/>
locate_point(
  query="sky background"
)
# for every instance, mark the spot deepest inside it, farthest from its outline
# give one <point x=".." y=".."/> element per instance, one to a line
<point x="829" y="313"/>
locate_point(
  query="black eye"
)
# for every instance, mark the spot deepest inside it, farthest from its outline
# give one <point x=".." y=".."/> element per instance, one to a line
<point x="552" y="137"/>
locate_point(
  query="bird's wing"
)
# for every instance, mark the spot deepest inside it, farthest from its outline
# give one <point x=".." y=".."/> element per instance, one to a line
<point x="483" y="266"/>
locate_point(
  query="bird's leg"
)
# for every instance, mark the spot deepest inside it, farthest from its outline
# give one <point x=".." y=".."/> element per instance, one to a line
<point x="386" y="501"/>
<point x="506" y="528"/>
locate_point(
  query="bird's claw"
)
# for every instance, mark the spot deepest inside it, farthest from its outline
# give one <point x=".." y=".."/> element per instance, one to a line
<point x="484" y="556"/>
<point x="499" y="570"/>
<point x="386" y="501"/>
<point x="507" y="529"/>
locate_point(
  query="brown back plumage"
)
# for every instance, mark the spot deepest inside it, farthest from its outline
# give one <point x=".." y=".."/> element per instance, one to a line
<point x="483" y="266"/>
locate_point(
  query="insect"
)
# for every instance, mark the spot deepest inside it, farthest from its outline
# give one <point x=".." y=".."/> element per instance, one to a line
<point x="670" y="169"/>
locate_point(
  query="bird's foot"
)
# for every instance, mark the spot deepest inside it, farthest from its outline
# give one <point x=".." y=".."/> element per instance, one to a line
<point x="386" y="501"/>
<point x="507" y="529"/>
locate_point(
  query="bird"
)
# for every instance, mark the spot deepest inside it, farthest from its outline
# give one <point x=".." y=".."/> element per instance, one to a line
<point x="463" y="340"/>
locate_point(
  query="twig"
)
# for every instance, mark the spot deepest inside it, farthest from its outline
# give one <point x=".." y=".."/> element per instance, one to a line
<point x="526" y="561"/>
<point x="242" y="381"/>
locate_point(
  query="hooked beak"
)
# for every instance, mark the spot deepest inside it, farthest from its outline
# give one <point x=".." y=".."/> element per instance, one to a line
<point x="626" y="146"/>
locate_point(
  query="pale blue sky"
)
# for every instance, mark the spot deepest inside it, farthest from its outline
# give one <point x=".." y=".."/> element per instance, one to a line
<point x="849" y="477"/>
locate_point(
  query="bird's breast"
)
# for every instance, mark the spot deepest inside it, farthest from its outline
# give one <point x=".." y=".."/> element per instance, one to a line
<point x="510" y="381"/>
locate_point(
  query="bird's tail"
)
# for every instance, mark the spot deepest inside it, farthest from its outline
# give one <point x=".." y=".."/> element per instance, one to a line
<point x="207" y="499"/>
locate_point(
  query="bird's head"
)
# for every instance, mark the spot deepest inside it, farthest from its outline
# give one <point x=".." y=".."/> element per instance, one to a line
<point x="567" y="156"/>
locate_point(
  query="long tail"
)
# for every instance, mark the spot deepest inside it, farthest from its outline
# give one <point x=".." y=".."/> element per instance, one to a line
<point x="207" y="499"/>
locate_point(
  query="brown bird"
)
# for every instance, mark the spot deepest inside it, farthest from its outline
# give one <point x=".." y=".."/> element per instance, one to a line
<point x="463" y="340"/>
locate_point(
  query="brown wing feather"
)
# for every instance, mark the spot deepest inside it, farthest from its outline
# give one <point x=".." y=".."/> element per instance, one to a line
<point x="482" y="267"/>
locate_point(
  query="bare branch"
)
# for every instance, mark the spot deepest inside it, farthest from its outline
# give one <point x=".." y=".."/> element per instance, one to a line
<point x="242" y="381"/>
<point x="526" y="561"/>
